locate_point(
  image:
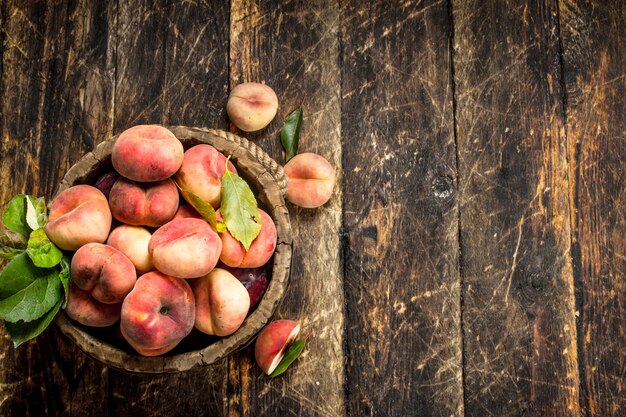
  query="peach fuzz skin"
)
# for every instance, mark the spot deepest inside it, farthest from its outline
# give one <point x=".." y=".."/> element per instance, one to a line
<point x="185" y="248"/>
<point x="222" y="303"/>
<point x="157" y="314"/>
<point x="86" y="310"/>
<point x="311" y="180"/>
<point x="133" y="241"/>
<point x="142" y="203"/>
<point x="260" y="251"/>
<point x="77" y="216"/>
<point x="105" y="272"/>
<point x="147" y="153"/>
<point x="252" y="106"/>
<point x="201" y="173"/>
<point x="270" y="345"/>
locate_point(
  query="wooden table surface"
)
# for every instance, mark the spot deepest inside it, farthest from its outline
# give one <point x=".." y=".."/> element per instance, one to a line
<point x="472" y="258"/>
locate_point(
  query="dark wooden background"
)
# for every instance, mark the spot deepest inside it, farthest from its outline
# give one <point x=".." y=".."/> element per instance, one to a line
<point x="472" y="259"/>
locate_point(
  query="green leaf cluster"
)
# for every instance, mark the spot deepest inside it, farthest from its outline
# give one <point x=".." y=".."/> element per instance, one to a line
<point x="34" y="285"/>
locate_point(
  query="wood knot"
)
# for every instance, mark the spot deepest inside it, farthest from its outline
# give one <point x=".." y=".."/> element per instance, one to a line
<point x="443" y="187"/>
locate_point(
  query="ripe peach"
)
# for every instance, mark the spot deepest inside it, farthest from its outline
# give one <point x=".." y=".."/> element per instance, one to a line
<point x="184" y="211"/>
<point x="133" y="241"/>
<point x="222" y="303"/>
<point x="270" y="345"/>
<point x="147" y="153"/>
<point x="311" y="180"/>
<point x="143" y="203"/>
<point x="157" y="314"/>
<point x="85" y="309"/>
<point x="260" y="251"/>
<point x="252" y="106"/>
<point x="185" y="248"/>
<point x="201" y="173"/>
<point x="106" y="273"/>
<point x="78" y="215"/>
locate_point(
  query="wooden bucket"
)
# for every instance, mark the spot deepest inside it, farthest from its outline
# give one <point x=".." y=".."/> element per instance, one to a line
<point x="268" y="181"/>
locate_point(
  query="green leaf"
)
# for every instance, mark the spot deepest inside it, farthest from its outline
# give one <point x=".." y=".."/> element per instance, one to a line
<point x="290" y="133"/>
<point x="294" y="351"/>
<point x="23" y="331"/>
<point x="42" y="251"/>
<point x="14" y="215"/>
<point x="27" y="292"/>
<point x="64" y="276"/>
<point x="239" y="209"/>
<point x="205" y="209"/>
<point x="11" y="244"/>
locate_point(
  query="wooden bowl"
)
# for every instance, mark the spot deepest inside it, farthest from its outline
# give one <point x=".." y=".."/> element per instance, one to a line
<point x="269" y="182"/>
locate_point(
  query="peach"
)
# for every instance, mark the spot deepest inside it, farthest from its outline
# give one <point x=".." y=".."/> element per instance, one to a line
<point x="85" y="309"/>
<point x="185" y="248"/>
<point x="311" y="179"/>
<point x="157" y="314"/>
<point x="252" y="106"/>
<point x="77" y="216"/>
<point x="260" y="251"/>
<point x="143" y="203"/>
<point x="184" y="211"/>
<point x="133" y="241"/>
<point x="147" y="153"/>
<point x="106" y="273"/>
<point x="222" y="303"/>
<point x="270" y="345"/>
<point x="201" y="173"/>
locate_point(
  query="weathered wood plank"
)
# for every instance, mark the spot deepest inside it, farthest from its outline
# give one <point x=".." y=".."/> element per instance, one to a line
<point x="594" y="59"/>
<point x="182" y="78"/>
<point x="519" y="323"/>
<point x="140" y="66"/>
<point x="402" y="284"/>
<point x="54" y="108"/>
<point x="293" y="46"/>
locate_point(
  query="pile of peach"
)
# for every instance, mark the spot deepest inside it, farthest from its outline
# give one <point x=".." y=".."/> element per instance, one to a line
<point x="146" y="259"/>
<point x="155" y="270"/>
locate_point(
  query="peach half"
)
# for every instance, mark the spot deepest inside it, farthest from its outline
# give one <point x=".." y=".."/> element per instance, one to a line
<point x="77" y="216"/>
<point x="157" y="314"/>
<point x="269" y="348"/>
<point x="185" y="248"/>
<point x="147" y="153"/>
<point x="222" y="303"/>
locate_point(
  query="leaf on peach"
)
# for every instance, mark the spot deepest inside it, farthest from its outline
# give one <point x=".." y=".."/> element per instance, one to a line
<point x="239" y="209"/>
<point x="205" y="209"/>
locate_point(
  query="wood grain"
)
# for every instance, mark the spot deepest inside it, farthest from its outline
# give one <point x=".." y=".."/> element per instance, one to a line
<point x="293" y="46"/>
<point x="594" y="58"/>
<point x="185" y="81"/>
<point x="519" y="323"/>
<point x="54" y="109"/>
<point x="402" y="284"/>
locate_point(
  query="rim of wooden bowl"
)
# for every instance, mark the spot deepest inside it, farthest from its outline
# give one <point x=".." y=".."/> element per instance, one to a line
<point x="270" y="182"/>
